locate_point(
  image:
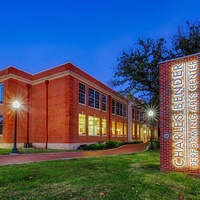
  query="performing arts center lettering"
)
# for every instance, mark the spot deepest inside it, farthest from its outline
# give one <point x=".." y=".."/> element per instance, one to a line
<point x="184" y="118"/>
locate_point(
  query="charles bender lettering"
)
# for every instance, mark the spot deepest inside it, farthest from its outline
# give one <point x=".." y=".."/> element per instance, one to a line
<point x="184" y="100"/>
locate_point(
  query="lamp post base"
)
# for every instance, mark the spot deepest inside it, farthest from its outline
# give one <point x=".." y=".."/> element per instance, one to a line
<point x="14" y="151"/>
<point x="151" y="147"/>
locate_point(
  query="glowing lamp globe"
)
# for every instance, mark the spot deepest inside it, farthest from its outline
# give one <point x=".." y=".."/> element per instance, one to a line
<point x="16" y="104"/>
<point x="150" y="113"/>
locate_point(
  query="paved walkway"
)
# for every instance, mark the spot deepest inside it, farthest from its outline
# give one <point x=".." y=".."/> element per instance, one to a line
<point x="39" y="157"/>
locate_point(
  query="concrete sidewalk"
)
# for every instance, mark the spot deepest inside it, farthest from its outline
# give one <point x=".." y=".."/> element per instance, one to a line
<point x="39" y="157"/>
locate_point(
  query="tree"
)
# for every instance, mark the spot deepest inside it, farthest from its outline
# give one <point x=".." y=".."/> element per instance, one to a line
<point x="187" y="39"/>
<point x="137" y="70"/>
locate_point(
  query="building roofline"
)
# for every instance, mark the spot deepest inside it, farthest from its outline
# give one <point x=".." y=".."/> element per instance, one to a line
<point x="174" y="59"/>
<point x="34" y="76"/>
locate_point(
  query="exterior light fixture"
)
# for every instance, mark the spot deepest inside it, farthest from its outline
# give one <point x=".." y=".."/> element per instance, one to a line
<point x="16" y="105"/>
<point x="151" y="116"/>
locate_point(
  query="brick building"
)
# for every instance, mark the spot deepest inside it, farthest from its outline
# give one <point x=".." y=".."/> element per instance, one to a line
<point x="65" y="107"/>
<point x="179" y="114"/>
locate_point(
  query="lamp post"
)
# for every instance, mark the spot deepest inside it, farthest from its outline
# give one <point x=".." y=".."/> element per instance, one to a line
<point x="150" y="117"/>
<point x="16" y="105"/>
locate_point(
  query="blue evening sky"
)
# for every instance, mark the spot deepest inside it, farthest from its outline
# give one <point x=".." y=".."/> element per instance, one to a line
<point x="39" y="34"/>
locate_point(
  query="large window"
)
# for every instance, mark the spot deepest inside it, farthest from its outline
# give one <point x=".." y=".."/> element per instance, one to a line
<point x="103" y="128"/>
<point x="94" y="98"/>
<point x="113" y="128"/>
<point x="125" y="130"/>
<point x="1" y="93"/>
<point x="104" y="102"/>
<point x="1" y="124"/>
<point x="125" y="111"/>
<point x="81" y="126"/>
<point x="133" y="113"/>
<point x="113" y="106"/>
<point x="119" y="109"/>
<point x="119" y="129"/>
<point x="138" y="115"/>
<point x="93" y="126"/>
<point x="133" y="131"/>
<point x="141" y="116"/>
<point x="81" y="93"/>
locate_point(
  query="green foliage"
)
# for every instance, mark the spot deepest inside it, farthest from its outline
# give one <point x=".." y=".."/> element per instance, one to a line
<point x="187" y="39"/>
<point x="32" y="150"/>
<point x="137" y="70"/>
<point x="98" y="146"/>
<point x="95" y="146"/>
<point x="133" y="142"/>
<point x="112" y="144"/>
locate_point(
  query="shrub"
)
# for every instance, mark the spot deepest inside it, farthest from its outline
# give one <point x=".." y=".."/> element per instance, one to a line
<point x="112" y="144"/>
<point x="95" y="146"/>
<point x="133" y="142"/>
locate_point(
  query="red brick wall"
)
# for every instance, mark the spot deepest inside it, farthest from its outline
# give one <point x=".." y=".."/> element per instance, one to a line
<point x="54" y="106"/>
<point x="13" y="90"/>
<point x="88" y="111"/>
<point x="168" y="135"/>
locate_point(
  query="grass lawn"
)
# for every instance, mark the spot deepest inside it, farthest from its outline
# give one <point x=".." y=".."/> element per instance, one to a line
<point x="33" y="150"/>
<point x="123" y="177"/>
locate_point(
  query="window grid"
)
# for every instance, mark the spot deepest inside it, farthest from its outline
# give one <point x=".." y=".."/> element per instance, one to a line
<point x="93" y="126"/>
<point x="133" y="113"/>
<point x="113" y="128"/>
<point x="119" y="129"/>
<point x="138" y="115"/>
<point x="125" y="111"/>
<point x="125" y="130"/>
<point x="141" y="116"/>
<point x="119" y="109"/>
<point x="94" y="98"/>
<point x="113" y="106"/>
<point x="82" y="124"/>
<point x="104" y="127"/>
<point x="1" y="93"/>
<point x="104" y="101"/>
<point x="81" y="93"/>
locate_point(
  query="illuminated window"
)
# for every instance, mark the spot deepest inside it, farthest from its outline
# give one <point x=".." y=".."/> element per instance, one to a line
<point x="93" y="126"/>
<point x="104" y="129"/>
<point x="138" y="132"/>
<point x="1" y="93"/>
<point x="93" y="98"/>
<point x="119" y="109"/>
<point x="1" y="124"/>
<point x="113" y="128"/>
<point x="113" y="106"/>
<point x="125" y="130"/>
<point x="81" y="122"/>
<point x="125" y="111"/>
<point x="81" y="93"/>
<point x="133" y="130"/>
<point x="119" y="129"/>
<point x="104" y="100"/>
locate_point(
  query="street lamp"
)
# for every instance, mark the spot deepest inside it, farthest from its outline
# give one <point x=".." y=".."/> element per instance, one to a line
<point x="16" y="105"/>
<point x="151" y="114"/>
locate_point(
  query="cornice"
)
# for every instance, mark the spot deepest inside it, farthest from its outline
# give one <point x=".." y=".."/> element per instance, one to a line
<point x="60" y="75"/>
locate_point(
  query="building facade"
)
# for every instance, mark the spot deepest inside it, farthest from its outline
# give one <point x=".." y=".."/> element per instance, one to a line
<point x="63" y="108"/>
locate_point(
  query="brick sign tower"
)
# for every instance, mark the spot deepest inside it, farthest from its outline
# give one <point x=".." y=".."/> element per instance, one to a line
<point x="180" y="114"/>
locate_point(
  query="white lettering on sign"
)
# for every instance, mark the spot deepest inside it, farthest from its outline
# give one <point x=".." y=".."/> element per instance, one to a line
<point x="185" y="115"/>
